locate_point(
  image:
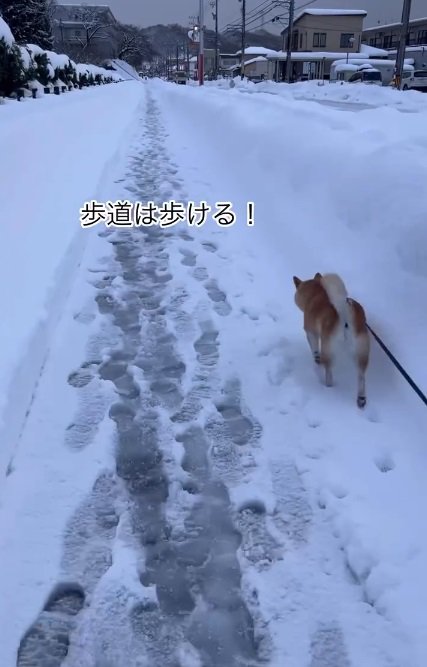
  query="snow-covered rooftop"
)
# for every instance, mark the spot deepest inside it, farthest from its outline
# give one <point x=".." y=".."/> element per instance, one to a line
<point x="412" y="49"/>
<point x="256" y="51"/>
<point x="344" y="67"/>
<point x="373" y="61"/>
<point x="311" y="56"/>
<point x="386" y="26"/>
<point x="329" y="12"/>
<point x="336" y="12"/>
<point x="258" y="59"/>
<point x="5" y="32"/>
<point x="373" y="51"/>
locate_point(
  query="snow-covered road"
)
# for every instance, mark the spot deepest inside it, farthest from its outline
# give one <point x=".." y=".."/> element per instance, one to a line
<point x="185" y="493"/>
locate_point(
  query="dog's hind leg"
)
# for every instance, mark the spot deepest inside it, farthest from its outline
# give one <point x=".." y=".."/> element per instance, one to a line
<point x="326" y="358"/>
<point x="313" y="341"/>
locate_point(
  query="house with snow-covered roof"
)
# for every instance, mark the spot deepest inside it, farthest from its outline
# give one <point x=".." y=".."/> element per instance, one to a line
<point x="254" y="52"/>
<point x="85" y="30"/>
<point x="331" y="30"/>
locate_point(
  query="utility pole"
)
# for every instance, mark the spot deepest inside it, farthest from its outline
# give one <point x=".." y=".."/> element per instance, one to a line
<point x="216" y="39"/>
<point x="201" y="43"/>
<point x="242" y="66"/>
<point x="289" y="45"/>
<point x="404" y="31"/>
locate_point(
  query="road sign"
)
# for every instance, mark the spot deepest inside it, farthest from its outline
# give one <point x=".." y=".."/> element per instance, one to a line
<point x="194" y="36"/>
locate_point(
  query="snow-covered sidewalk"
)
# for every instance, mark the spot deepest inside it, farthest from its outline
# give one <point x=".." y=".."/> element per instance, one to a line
<point x="57" y="152"/>
<point x="193" y="495"/>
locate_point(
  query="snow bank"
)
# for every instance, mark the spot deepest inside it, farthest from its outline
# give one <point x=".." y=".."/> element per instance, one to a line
<point x="125" y="70"/>
<point x="5" y="32"/>
<point x="327" y="197"/>
<point x="359" y="93"/>
<point x="409" y="100"/>
<point x="45" y="180"/>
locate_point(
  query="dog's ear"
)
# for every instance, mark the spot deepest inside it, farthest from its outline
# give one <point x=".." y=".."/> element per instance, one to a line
<point x="297" y="282"/>
<point x="318" y="276"/>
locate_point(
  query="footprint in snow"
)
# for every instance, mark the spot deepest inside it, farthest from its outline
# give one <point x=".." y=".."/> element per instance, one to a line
<point x="384" y="462"/>
<point x="209" y="246"/>
<point x="250" y="313"/>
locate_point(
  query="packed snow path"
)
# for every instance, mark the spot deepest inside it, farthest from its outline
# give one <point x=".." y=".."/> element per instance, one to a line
<point x="221" y="526"/>
<point x="191" y="562"/>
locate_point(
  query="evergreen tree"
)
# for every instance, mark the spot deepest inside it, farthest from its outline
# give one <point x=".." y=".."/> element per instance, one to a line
<point x="12" y="74"/>
<point x="29" y="20"/>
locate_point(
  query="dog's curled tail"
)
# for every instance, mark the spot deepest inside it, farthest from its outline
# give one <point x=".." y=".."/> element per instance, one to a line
<point x="337" y="294"/>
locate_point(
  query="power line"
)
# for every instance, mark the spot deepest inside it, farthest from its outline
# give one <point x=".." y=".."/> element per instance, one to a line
<point x="250" y="12"/>
<point x="297" y="9"/>
<point x="253" y="13"/>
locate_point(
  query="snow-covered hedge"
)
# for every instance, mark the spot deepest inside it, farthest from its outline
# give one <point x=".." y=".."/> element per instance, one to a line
<point x="28" y="68"/>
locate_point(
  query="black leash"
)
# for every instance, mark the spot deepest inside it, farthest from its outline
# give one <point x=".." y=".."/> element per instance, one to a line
<point x="401" y="370"/>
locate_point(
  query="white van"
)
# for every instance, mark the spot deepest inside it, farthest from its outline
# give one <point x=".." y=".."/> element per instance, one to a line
<point x="367" y="74"/>
<point x="416" y="80"/>
<point x="342" y="71"/>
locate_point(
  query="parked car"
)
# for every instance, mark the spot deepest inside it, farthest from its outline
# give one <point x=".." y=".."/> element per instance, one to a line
<point x="368" y="75"/>
<point x="257" y="78"/>
<point x="181" y="77"/>
<point x="416" y="80"/>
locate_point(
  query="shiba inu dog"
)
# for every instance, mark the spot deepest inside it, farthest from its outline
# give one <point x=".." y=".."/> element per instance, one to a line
<point x="329" y="314"/>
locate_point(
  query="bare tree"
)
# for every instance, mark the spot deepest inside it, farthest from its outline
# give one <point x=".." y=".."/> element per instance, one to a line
<point x="94" y="24"/>
<point x="132" y="45"/>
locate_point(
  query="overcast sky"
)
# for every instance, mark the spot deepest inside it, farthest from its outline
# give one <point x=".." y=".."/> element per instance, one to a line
<point x="149" y="12"/>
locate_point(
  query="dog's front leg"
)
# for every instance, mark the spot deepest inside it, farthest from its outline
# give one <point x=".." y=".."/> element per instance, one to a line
<point x="313" y="341"/>
<point x="361" y="389"/>
<point x="362" y="360"/>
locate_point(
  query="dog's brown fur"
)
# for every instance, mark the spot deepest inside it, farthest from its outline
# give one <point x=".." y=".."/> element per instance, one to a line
<point x="323" y="319"/>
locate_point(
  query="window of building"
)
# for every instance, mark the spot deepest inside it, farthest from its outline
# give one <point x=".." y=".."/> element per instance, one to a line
<point x="77" y="33"/>
<point x="345" y="42"/>
<point x="422" y="37"/>
<point x="319" y="39"/>
<point x="300" y="40"/>
<point x="295" y="41"/>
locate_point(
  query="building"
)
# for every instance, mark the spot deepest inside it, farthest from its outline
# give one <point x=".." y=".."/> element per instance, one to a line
<point x="85" y="32"/>
<point x="417" y="55"/>
<point x="253" y="52"/>
<point x="307" y="65"/>
<point x="227" y="63"/>
<point x="388" y="36"/>
<point x="256" y="68"/>
<point x="209" y="64"/>
<point x="326" y="30"/>
<point x="230" y="64"/>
